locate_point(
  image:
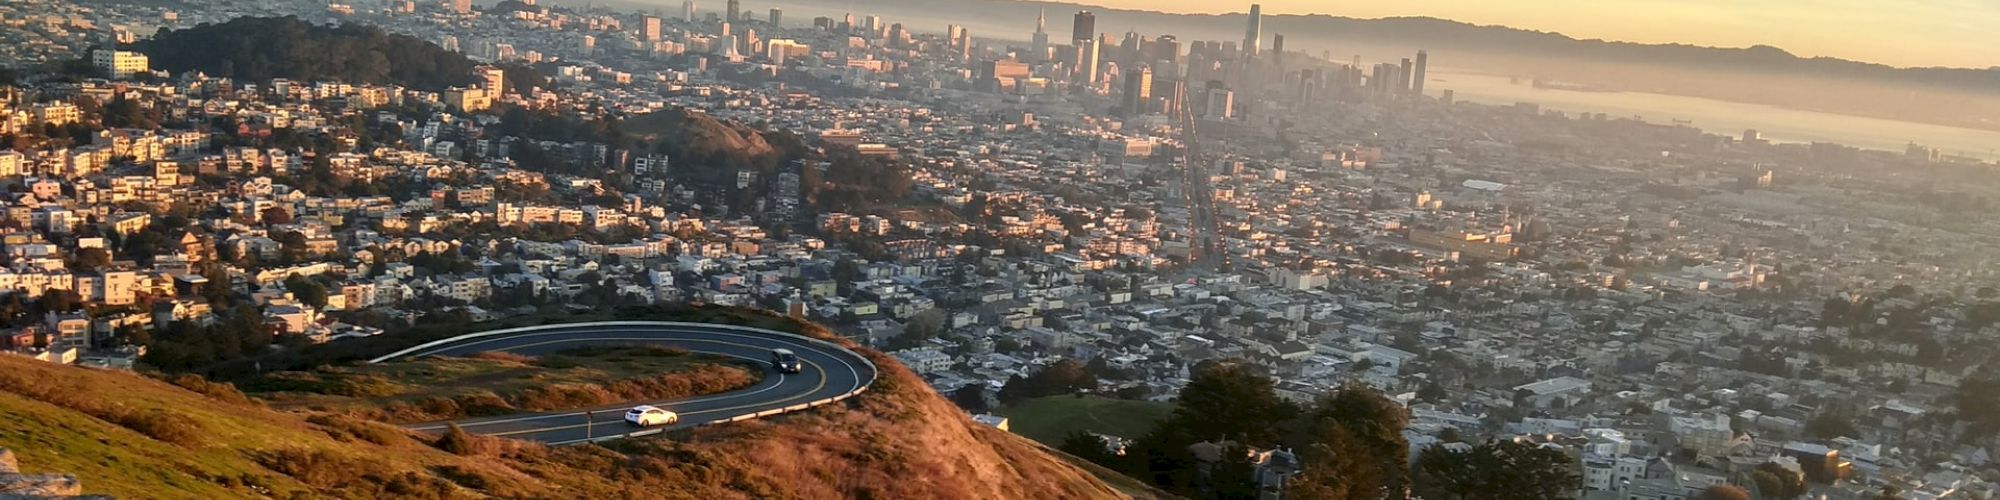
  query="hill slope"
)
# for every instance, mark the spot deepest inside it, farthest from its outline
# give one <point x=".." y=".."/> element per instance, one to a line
<point x="135" y="437"/>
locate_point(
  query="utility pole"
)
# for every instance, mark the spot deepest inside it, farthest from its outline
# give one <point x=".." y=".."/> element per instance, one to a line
<point x="589" y="417"/>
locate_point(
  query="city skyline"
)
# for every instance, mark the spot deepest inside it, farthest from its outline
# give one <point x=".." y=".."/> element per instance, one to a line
<point x="1950" y="32"/>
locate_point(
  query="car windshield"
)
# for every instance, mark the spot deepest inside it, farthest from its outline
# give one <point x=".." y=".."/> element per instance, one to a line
<point x="788" y="357"/>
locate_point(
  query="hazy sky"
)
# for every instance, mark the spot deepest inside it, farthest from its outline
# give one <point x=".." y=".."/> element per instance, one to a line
<point x="1962" y="33"/>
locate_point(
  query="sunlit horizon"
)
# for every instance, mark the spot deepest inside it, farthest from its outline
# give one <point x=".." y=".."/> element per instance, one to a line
<point x="1922" y="33"/>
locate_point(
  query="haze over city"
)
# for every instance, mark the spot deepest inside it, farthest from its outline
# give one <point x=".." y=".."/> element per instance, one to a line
<point x="1950" y="33"/>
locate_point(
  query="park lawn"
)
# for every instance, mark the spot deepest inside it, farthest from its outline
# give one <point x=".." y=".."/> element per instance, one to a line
<point x="1052" y="418"/>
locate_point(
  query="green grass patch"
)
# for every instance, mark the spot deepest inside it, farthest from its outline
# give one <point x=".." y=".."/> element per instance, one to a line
<point x="1050" y="419"/>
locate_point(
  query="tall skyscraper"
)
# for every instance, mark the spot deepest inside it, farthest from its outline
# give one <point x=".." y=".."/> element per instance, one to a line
<point x="1417" y="82"/>
<point x="1278" y="51"/>
<point x="1403" y="77"/>
<point x="1088" y="54"/>
<point x="687" y="9"/>
<point x="1139" y="91"/>
<point x="649" y="29"/>
<point x="461" y="6"/>
<point x="1041" y="40"/>
<point x="735" y="9"/>
<point x="1253" y="34"/>
<point x="777" y="17"/>
<point x="965" y="45"/>
<point x="1083" y="27"/>
<point x="1168" y="49"/>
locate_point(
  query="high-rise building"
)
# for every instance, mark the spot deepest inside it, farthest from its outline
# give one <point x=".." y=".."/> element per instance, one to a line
<point x="1221" y="102"/>
<point x="1278" y="51"/>
<point x="1253" y="34"/>
<point x="777" y="17"/>
<point x="687" y="9"/>
<point x="999" y="74"/>
<point x="649" y="29"/>
<point x="1168" y="49"/>
<point x="1403" y="76"/>
<point x="461" y="6"/>
<point x="1083" y="27"/>
<point x="1417" y="82"/>
<point x="1128" y="49"/>
<point x="120" y="63"/>
<point x="1041" y="39"/>
<point x="1139" y="90"/>
<point x="1380" y="81"/>
<point x="493" y="79"/>
<point x="735" y="9"/>
<point x="1173" y="92"/>
<point x="1089" y="50"/>
<point x="965" y="45"/>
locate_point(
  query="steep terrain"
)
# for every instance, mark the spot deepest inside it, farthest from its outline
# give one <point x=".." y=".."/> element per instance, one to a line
<point x="135" y="437"/>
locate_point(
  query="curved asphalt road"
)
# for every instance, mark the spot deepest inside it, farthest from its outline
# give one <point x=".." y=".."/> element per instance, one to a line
<point x="828" y="371"/>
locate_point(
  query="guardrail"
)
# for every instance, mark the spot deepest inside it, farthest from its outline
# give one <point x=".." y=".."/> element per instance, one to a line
<point x="860" y="386"/>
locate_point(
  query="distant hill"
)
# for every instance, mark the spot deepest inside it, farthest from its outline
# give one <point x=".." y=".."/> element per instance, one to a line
<point x="135" y="437"/>
<point x="262" y="48"/>
<point x="1441" y="33"/>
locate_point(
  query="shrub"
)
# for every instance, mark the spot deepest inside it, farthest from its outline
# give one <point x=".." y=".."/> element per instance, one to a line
<point x="163" y="425"/>
<point x="220" y="391"/>
<point x="561" y="396"/>
<point x="483" y="404"/>
<point x="347" y="428"/>
<point x="319" y="469"/>
<point x="503" y="356"/>
<point x="363" y="386"/>
<point x="466" y="476"/>
<point x="458" y="442"/>
<point x="700" y="379"/>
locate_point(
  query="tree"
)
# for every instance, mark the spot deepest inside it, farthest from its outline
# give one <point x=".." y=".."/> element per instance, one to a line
<point x="1975" y="401"/>
<point x="1500" y="470"/>
<point x="921" y="327"/>
<point x="1225" y="400"/>
<point x="1087" y="447"/>
<point x="1723" y="492"/>
<point x="90" y="259"/>
<point x="1829" y="426"/>
<point x="306" y="290"/>
<point x="1432" y="392"/>
<point x="1889" y="492"/>
<point x="277" y="216"/>
<point x="1062" y="377"/>
<point x="971" y="398"/>
<point x="1337" y="468"/>
<point x="1775" y="481"/>
<point x="1375" y="425"/>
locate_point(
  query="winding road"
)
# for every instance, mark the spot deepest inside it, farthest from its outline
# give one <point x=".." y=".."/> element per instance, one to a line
<point x="829" y="373"/>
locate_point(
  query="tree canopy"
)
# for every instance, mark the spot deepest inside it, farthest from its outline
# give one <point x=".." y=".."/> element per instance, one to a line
<point x="263" y="48"/>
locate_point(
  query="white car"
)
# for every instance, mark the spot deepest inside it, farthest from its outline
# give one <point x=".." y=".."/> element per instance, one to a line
<point x="648" y="416"/>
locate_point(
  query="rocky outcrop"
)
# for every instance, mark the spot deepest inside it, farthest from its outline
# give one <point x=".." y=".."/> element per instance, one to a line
<point x="15" y="485"/>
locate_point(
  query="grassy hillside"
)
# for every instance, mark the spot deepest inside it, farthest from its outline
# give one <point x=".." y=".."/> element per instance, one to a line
<point x="134" y="437"/>
<point x="1050" y="419"/>
<point x="435" y="388"/>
